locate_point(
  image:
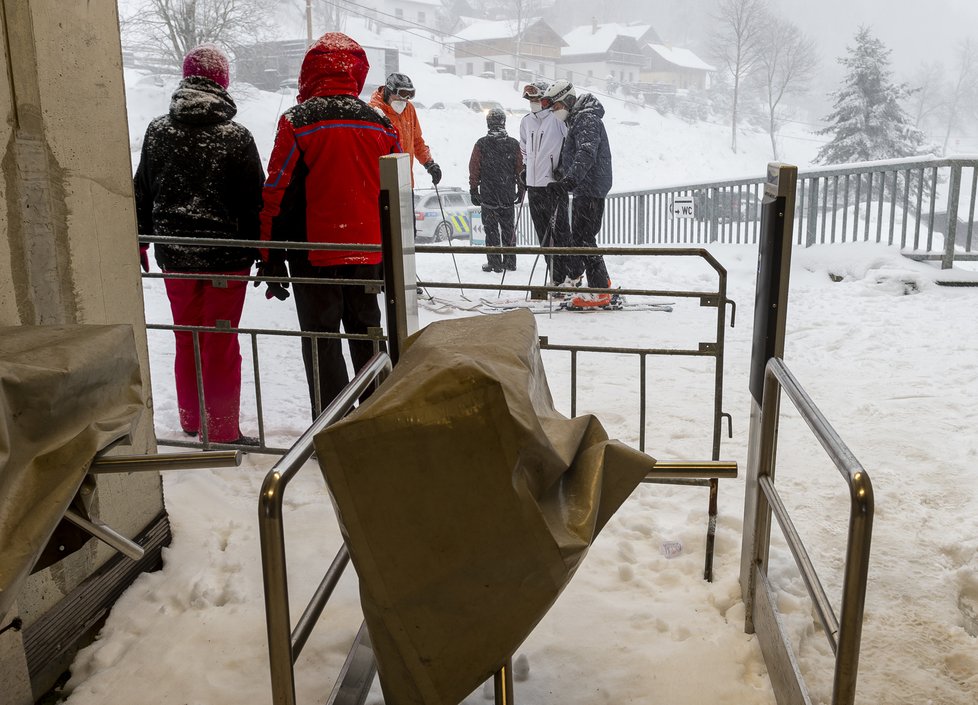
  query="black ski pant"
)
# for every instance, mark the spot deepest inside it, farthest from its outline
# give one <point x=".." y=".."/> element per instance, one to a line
<point x="500" y="226"/>
<point x="321" y="308"/>
<point x="586" y="215"/>
<point x="549" y="215"/>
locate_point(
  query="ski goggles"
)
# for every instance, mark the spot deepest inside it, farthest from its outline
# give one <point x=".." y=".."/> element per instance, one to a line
<point x="404" y="93"/>
<point x="531" y="92"/>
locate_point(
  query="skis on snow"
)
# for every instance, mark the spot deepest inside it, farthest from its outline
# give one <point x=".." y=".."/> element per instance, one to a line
<point x="484" y="305"/>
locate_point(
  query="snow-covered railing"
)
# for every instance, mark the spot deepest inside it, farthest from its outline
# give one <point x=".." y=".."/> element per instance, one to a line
<point x="926" y="206"/>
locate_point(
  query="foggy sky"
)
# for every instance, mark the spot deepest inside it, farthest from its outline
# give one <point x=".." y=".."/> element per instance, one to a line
<point x="915" y="30"/>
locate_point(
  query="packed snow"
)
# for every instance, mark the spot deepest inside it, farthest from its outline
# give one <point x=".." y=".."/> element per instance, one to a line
<point x="886" y="353"/>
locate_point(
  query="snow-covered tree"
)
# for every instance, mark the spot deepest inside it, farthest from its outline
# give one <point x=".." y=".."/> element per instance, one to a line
<point x="868" y="121"/>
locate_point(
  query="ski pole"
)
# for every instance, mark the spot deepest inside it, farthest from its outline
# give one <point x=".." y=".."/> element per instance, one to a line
<point x="450" y="242"/>
<point x="547" y="240"/>
<point x="502" y="280"/>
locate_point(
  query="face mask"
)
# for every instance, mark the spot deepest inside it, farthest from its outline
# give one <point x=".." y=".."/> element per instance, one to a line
<point x="535" y="107"/>
<point x="398" y="106"/>
<point x="561" y="114"/>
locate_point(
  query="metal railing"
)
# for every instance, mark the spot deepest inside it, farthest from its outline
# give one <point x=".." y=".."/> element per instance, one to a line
<point x="284" y="644"/>
<point x="897" y="202"/>
<point x="843" y="635"/>
<point x="716" y="298"/>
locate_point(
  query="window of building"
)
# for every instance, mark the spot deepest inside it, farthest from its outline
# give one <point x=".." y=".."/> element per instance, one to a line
<point x="489" y="67"/>
<point x="420" y="18"/>
<point x="399" y="13"/>
<point x="469" y="68"/>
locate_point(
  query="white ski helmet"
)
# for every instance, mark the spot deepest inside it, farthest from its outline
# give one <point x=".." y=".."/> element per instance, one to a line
<point x="560" y="92"/>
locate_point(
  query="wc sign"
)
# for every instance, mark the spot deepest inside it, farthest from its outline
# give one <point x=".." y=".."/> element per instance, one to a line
<point x="681" y="207"/>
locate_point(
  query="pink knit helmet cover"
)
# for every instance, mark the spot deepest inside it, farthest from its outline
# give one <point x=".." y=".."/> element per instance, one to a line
<point x="209" y="62"/>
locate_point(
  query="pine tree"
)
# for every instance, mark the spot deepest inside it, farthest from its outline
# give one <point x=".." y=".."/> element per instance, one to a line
<point x="868" y="121"/>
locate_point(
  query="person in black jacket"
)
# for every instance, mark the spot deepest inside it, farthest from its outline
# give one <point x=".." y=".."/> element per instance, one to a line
<point x="585" y="172"/>
<point x="494" y="170"/>
<point x="200" y="176"/>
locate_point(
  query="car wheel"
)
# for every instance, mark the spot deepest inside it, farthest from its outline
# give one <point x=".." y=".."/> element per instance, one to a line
<point x="444" y="231"/>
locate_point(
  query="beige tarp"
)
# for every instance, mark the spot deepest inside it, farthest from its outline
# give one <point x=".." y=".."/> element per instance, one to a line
<point x="66" y="392"/>
<point x="467" y="503"/>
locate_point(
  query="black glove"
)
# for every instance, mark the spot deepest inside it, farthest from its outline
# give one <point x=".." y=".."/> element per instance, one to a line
<point x="274" y="289"/>
<point x="474" y="193"/>
<point x="434" y="171"/>
<point x="520" y="192"/>
<point x="557" y="189"/>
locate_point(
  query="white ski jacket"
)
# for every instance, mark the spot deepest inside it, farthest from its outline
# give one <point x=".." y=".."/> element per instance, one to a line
<point x="541" y="137"/>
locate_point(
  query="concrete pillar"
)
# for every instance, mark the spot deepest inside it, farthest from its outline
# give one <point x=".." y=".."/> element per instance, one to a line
<point x="68" y="251"/>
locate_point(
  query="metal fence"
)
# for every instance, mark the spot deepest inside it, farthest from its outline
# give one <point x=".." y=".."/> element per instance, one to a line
<point x="925" y="206"/>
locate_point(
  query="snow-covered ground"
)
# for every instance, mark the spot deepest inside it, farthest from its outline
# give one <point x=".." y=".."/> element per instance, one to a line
<point x="887" y="355"/>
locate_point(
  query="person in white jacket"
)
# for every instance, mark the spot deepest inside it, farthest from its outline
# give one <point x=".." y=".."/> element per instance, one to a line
<point x="541" y="138"/>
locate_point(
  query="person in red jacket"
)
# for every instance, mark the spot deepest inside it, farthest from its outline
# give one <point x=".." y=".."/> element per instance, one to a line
<point x="393" y="100"/>
<point x="323" y="186"/>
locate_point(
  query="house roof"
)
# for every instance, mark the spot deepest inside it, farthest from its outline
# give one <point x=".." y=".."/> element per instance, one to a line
<point x="487" y="30"/>
<point x="429" y="3"/>
<point x="680" y="57"/>
<point x="597" y="39"/>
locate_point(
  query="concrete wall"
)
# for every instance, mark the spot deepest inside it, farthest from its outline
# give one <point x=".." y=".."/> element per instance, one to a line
<point x="68" y="253"/>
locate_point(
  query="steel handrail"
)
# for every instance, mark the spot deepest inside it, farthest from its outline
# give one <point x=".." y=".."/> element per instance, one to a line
<point x="284" y="646"/>
<point x="849" y="629"/>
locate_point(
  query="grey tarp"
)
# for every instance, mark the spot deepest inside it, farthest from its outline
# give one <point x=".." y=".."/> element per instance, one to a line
<point x="66" y="392"/>
<point x="467" y="502"/>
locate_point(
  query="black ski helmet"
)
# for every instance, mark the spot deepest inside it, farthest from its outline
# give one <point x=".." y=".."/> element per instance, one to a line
<point x="496" y="117"/>
<point x="399" y="84"/>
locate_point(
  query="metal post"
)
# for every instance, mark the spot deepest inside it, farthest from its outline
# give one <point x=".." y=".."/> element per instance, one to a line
<point x="770" y="309"/>
<point x="951" y="229"/>
<point x="502" y="681"/>
<point x="397" y="238"/>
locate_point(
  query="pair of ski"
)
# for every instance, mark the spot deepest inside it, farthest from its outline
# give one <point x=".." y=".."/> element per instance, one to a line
<point x="485" y="305"/>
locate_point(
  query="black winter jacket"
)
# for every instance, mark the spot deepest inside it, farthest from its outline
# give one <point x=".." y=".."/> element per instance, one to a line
<point x="494" y="169"/>
<point x="199" y="175"/>
<point x="585" y="159"/>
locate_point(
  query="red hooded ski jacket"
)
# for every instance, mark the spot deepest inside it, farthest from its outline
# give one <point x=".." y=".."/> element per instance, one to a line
<point x="323" y="175"/>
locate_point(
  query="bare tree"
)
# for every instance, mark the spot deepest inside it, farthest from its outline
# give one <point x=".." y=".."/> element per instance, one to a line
<point x="928" y="90"/>
<point x="738" y="42"/>
<point x="170" y="28"/>
<point x="962" y="97"/>
<point x="787" y="60"/>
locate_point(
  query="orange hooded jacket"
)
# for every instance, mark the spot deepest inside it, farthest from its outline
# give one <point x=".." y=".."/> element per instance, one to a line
<point x="407" y="126"/>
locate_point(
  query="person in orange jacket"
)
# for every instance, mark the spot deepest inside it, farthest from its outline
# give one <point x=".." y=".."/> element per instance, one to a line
<point x="393" y="100"/>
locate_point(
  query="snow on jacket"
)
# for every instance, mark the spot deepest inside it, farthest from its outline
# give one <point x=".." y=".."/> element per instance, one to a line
<point x="324" y="175"/>
<point x="494" y="168"/>
<point x="541" y="137"/>
<point x="199" y="175"/>
<point x="407" y="126"/>
<point x="585" y="159"/>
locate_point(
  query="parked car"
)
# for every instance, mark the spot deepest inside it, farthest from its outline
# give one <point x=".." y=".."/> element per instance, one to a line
<point x="729" y="206"/>
<point x="481" y="106"/>
<point x="460" y="216"/>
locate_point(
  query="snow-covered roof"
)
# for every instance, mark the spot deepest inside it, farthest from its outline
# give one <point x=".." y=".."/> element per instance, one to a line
<point x="429" y="3"/>
<point x="588" y="39"/>
<point x="681" y="57"/>
<point x="483" y="30"/>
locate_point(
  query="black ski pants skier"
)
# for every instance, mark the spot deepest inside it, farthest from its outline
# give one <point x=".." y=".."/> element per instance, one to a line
<point x="321" y="308"/>
<point x="586" y="215"/>
<point x="500" y="226"/>
<point x="549" y="215"/>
